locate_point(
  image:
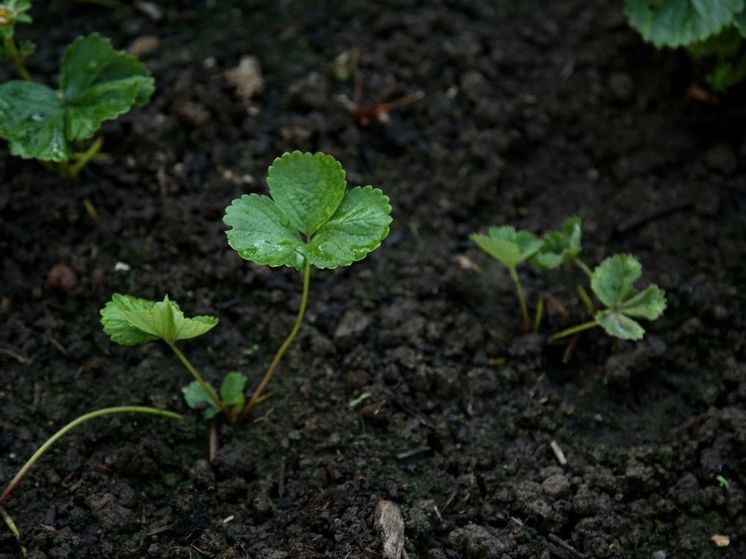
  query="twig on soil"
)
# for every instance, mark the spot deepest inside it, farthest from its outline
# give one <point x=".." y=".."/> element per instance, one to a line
<point x="558" y="452"/>
<point x="555" y="544"/>
<point x="17" y="356"/>
<point x="214" y="443"/>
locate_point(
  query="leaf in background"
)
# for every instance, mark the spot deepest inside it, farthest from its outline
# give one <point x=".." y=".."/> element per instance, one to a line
<point x="675" y="23"/>
<point x="561" y="246"/>
<point x="133" y="321"/>
<point x="12" y="12"/>
<point x="310" y="216"/>
<point x="197" y="399"/>
<point x="97" y="83"/>
<point x="508" y="246"/>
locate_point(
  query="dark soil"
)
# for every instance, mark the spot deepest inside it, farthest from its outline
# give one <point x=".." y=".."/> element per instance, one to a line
<point x="532" y="113"/>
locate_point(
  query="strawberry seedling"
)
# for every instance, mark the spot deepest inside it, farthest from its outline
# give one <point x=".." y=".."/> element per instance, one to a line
<point x="12" y="12"/>
<point x="310" y="220"/>
<point x="511" y="248"/>
<point x="96" y="83"/>
<point x="613" y="283"/>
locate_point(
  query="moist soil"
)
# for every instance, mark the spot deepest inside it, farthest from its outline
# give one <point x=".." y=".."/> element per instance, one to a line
<point x="411" y="381"/>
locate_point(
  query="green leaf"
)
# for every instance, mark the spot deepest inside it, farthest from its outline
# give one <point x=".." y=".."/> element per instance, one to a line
<point x="560" y="247"/>
<point x="260" y="232"/>
<point x="614" y="278"/>
<point x="118" y="327"/>
<point x="12" y="12"/>
<point x="232" y="390"/>
<point x="613" y="283"/>
<point x="197" y="399"/>
<point x="97" y="83"/>
<point x="675" y="23"/>
<point x="618" y="325"/>
<point x="32" y="119"/>
<point x="308" y="188"/>
<point x="508" y="246"/>
<point x="308" y="195"/>
<point x="357" y="228"/>
<point x="133" y="321"/>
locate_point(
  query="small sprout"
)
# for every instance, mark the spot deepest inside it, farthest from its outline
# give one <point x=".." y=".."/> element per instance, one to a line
<point x="96" y="83"/>
<point x="511" y="248"/>
<point x="723" y="482"/>
<point x="12" y="12"/>
<point x="613" y="283"/>
<point x="132" y="321"/>
<point x="311" y="219"/>
<point x="359" y="399"/>
<point x="231" y="392"/>
<point x="562" y="247"/>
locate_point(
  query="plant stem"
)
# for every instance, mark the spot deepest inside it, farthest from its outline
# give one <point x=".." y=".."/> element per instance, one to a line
<point x="586" y="299"/>
<point x="573" y="330"/>
<point x="11" y="50"/>
<point x="539" y="314"/>
<point x="12" y="527"/>
<point x="285" y="345"/>
<point x="583" y="266"/>
<point x="70" y="171"/>
<point x="521" y="299"/>
<point x="74" y="423"/>
<point x="209" y="390"/>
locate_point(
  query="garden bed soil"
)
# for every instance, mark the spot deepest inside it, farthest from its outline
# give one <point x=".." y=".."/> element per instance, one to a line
<point x="533" y="112"/>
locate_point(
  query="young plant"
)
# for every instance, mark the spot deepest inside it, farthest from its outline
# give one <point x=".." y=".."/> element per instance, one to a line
<point x="309" y="219"/>
<point x="96" y="83"/>
<point x="57" y="436"/>
<point x="12" y="12"/>
<point x="712" y="31"/>
<point x="613" y="283"/>
<point x="562" y="247"/>
<point x="511" y="248"/>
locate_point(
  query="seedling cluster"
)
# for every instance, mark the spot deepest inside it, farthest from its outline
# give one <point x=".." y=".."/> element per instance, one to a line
<point x="96" y="83"/>
<point x="612" y="281"/>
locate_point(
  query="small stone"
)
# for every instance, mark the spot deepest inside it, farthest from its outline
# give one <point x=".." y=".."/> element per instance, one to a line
<point x="191" y="113"/>
<point x="353" y="325"/>
<point x="660" y="554"/>
<point x="556" y="485"/>
<point x="246" y="78"/>
<point x="144" y="45"/>
<point x="477" y="542"/>
<point x="390" y="525"/>
<point x="62" y="277"/>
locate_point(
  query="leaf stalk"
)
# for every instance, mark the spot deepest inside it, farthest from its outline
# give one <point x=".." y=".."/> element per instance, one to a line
<point x="256" y="396"/>
<point x="209" y="390"/>
<point x="573" y="330"/>
<point x="11" y="50"/>
<point x="521" y="299"/>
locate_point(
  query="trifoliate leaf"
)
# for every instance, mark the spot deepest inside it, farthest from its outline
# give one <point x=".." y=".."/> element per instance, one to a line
<point x="310" y="219"/>
<point x="197" y="399"/>
<point x="133" y="321"/>
<point x="357" y="228"/>
<point x="308" y="188"/>
<point x="561" y="246"/>
<point x="614" y="278"/>
<point x="12" y="12"/>
<point x="675" y="23"/>
<point x="508" y="246"/>
<point x="619" y="326"/>
<point x="232" y="390"/>
<point x="97" y="83"/>
<point x="262" y="233"/>
<point x="613" y="283"/>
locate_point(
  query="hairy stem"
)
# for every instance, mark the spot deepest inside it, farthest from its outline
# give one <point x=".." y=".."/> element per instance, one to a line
<point x="573" y="330"/>
<point x="521" y="299"/>
<point x="255" y="397"/>
<point x="11" y="51"/>
<point x="74" y="423"/>
<point x="209" y="390"/>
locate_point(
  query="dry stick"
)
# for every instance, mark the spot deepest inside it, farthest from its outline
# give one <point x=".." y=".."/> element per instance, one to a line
<point x="284" y="347"/>
<point x="74" y="423"/>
